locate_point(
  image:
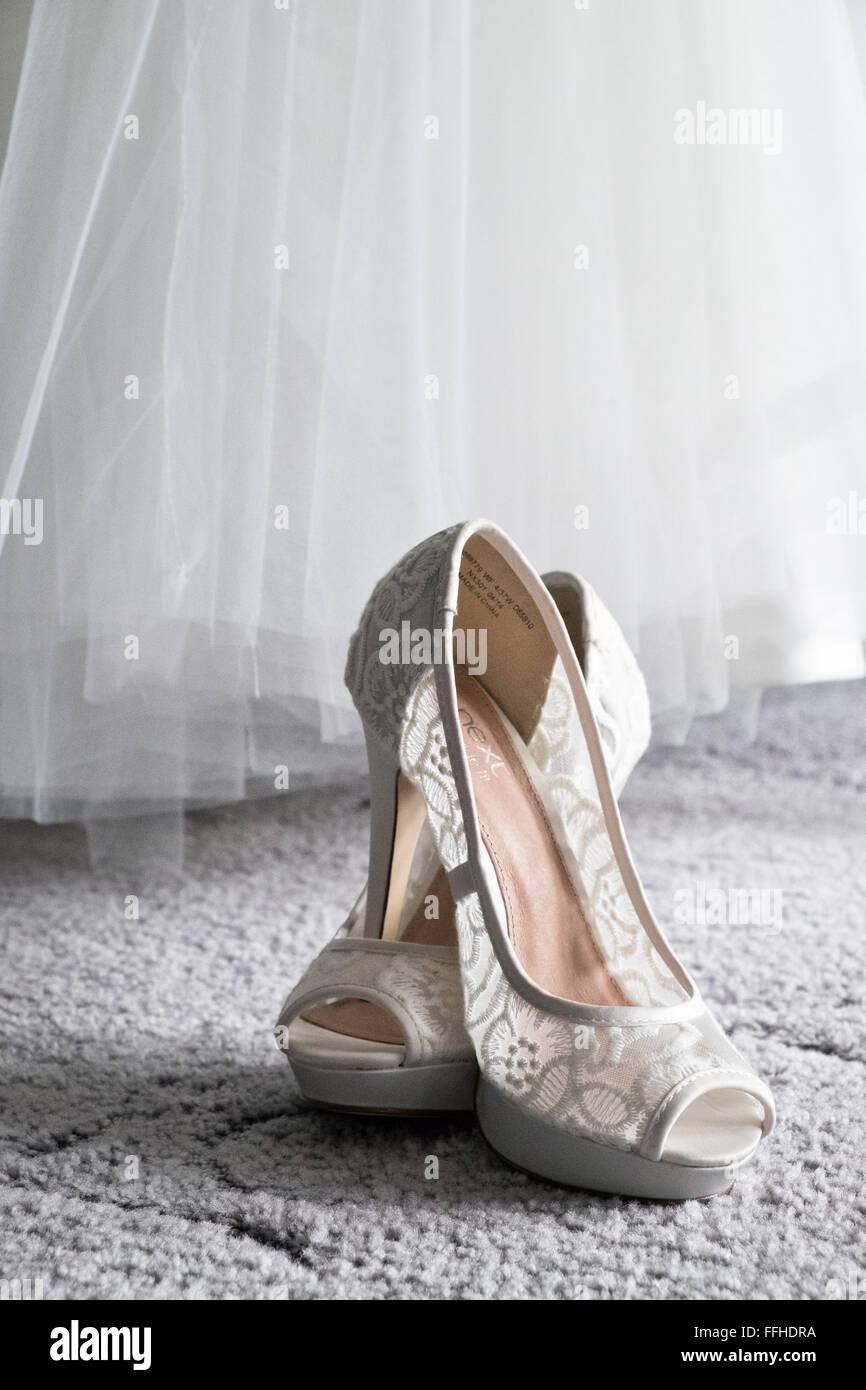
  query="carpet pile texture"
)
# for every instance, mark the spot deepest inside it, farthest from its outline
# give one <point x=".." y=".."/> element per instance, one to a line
<point x="153" y="1143"/>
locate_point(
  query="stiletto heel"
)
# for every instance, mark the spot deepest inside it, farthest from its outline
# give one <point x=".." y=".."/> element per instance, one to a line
<point x="384" y="772"/>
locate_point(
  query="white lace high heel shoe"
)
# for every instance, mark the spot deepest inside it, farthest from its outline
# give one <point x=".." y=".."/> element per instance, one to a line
<point x="600" y="1065"/>
<point x="376" y="1022"/>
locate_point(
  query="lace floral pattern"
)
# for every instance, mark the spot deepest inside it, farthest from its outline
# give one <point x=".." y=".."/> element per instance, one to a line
<point x="559" y="749"/>
<point x="601" y="1082"/>
<point x="380" y="691"/>
<point x="616" y="689"/>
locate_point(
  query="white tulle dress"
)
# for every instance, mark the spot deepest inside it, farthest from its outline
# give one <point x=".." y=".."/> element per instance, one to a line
<point x="286" y="287"/>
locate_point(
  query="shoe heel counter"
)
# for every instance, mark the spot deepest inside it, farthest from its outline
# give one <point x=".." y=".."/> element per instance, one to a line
<point x="380" y="670"/>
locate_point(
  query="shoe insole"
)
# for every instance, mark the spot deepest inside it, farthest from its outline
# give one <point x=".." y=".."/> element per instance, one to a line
<point x="546" y="924"/>
<point x="358" y="1018"/>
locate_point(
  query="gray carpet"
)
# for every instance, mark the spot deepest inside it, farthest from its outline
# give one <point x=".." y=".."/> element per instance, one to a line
<point x="153" y="1144"/>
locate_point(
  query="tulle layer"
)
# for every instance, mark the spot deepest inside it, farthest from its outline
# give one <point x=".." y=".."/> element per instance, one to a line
<point x="286" y="289"/>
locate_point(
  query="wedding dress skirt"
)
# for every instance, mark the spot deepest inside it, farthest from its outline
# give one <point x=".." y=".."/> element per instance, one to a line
<point x="286" y="287"/>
